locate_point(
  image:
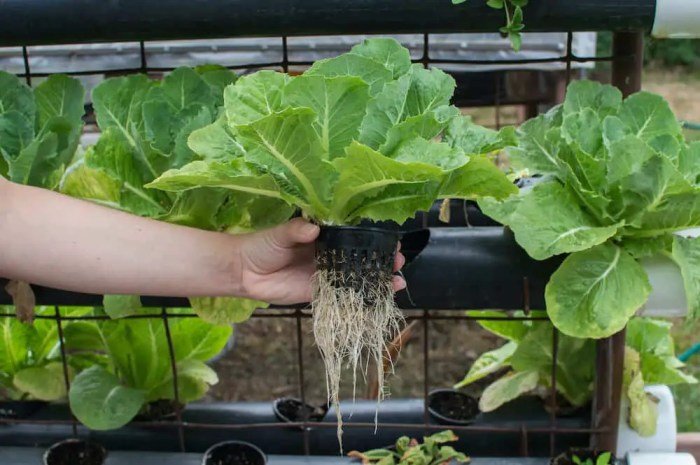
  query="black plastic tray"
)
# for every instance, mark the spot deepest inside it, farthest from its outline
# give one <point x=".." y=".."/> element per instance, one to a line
<point x="526" y="412"/>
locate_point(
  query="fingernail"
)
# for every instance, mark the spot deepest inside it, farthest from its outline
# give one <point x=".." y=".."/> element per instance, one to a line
<point x="399" y="283"/>
<point x="309" y="229"/>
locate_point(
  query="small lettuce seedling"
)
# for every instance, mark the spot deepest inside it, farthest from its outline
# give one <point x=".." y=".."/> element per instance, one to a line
<point x="603" y="459"/>
<point x="410" y="452"/>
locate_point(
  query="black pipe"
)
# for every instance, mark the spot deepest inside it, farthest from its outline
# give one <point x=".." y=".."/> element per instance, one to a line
<point x="449" y="269"/>
<point x="36" y="22"/>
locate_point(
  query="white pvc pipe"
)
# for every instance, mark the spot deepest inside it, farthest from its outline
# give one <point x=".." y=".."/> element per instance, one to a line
<point x="660" y="459"/>
<point x="677" y="19"/>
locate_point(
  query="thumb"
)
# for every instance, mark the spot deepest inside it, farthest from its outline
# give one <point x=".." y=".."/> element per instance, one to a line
<point x="296" y="231"/>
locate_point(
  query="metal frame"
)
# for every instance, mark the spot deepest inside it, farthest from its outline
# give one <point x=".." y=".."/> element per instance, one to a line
<point x="626" y="74"/>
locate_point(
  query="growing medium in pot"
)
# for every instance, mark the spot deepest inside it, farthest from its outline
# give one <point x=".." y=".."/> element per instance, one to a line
<point x="362" y="136"/>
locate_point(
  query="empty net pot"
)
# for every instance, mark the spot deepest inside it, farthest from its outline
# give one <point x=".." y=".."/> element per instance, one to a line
<point x="291" y="410"/>
<point x="75" y="452"/>
<point x="234" y="453"/>
<point x="452" y="407"/>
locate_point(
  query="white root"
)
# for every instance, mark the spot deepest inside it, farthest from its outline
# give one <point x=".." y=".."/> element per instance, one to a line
<point x="353" y="326"/>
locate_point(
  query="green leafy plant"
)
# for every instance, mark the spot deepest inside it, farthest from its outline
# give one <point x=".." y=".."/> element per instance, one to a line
<point x="145" y="127"/>
<point x="528" y="358"/>
<point x="513" y="10"/>
<point x="649" y="359"/>
<point x="618" y="180"/>
<point x="350" y="139"/>
<point x="126" y="365"/>
<point x="410" y="452"/>
<point x="362" y="136"/>
<point x="603" y="459"/>
<point x="30" y="357"/>
<point x="39" y="128"/>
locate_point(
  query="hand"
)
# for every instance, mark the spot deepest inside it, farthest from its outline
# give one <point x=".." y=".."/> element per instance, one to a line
<point x="277" y="264"/>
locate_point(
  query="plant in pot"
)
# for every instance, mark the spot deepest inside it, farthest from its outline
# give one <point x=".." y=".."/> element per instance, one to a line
<point x="364" y="136"/>
<point x="527" y="357"/>
<point x="618" y="184"/>
<point x="127" y="367"/>
<point x="31" y="372"/>
<point x="450" y="406"/>
<point x="145" y="125"/>
<point x="409" y="451"/>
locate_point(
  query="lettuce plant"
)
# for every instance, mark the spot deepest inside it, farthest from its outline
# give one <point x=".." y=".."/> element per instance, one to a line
<point x="409" y="451"/>
<point x="39" y="128"/>
<point x="350" y="139"/>
<point x="145" y="126"/>
<point x="126" y="365"/>
<point x="649" y="359"/>
<point x="618" y="180"/>
<point x="362" y="136"/>
<point x="30" y="357"/>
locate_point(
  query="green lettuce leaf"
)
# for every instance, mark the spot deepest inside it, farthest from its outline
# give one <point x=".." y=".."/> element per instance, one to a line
<point x="569" y="228"/>
<point x="39" y="128"/>
<point x="643" y="414"/>
<point x="594" y="292"/>
<point x="99" y="401"/>
<point x="376" y="187"/>
<point x="339" y="104"/>
<point x="506" y="389"/>
<point x="686" y="253"/>
<point x="488" y="363"/>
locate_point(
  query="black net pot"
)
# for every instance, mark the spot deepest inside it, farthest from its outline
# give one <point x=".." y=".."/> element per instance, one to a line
<point x="75" y="452"/>
<point x="20" y="408"/>
<point x="292" y="410"/>
<point x="566" y="458"/>
<point x="451" y="407"/>
<point x="234" y="453"/>
<point x="356" y="254"/>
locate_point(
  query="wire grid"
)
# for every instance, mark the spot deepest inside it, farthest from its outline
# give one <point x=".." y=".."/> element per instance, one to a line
<point x="604" y="375"/>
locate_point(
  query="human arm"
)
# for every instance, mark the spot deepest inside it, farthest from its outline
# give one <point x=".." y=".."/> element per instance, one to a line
<point x="57" y="241"/>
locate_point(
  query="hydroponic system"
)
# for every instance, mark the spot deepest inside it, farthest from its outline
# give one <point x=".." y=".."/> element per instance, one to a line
<point x="567" y="248"/>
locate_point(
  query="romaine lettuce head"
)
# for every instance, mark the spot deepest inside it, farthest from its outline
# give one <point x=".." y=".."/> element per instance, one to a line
<point x="618" y="180"/>
<point x="365" y="135"/>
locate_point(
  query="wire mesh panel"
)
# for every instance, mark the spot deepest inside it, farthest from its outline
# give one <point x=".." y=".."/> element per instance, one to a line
<point x="602" y="429"/>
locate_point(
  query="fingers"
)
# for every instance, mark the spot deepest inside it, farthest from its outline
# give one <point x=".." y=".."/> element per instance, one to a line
<point x="399" y="283"/>
<point x="296" y="231"/>
<point x="399" y="261"/>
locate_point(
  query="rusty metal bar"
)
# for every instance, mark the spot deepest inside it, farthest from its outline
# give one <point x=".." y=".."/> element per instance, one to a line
<point x="301" y="380"/>
<point x="27" y="70"/>
<point x="628" y="47"/>
<point x="64" y="363"/>
<point x="176" y="390"/>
